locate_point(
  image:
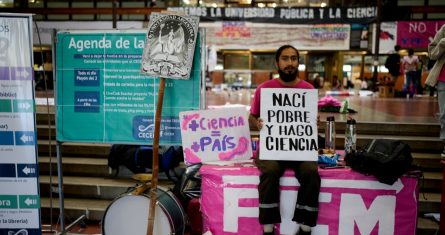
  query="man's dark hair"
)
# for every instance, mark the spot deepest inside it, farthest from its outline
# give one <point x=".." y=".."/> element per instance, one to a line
<point x="397" y="47"/>
<point x="410" y="51"/>
<point x="281" y="49"/>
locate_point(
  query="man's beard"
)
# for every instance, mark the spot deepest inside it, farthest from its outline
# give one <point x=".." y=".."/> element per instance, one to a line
<point x="288" y="76"/>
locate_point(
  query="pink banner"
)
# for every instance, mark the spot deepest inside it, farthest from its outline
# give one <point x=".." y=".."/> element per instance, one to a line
<point x="417" y="34"/>
<point x="350" y="203"/>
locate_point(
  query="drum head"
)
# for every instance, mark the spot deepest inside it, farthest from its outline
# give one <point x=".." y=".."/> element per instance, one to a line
<point x="129" y="215"/>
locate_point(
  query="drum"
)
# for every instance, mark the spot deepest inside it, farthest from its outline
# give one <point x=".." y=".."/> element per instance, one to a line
<point x="128" y="214"/>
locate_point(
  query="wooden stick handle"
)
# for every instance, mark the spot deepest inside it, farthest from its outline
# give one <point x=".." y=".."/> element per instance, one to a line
<point x="155" y="167"/>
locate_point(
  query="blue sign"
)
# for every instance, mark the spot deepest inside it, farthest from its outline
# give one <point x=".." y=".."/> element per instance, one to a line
<point x="7" y="170"/>
<point x="86" y="101"/>
<point x="27" y="170"/>
<point x="25" y="138"/>
<point x="87" y="77"/>
<point x="6" y="138"/>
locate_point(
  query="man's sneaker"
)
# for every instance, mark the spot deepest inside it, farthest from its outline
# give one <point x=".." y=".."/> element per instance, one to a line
<point x="442" y="155"/>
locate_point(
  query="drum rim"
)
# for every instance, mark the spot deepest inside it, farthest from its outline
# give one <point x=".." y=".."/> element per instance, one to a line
<point x="179" y="206"/>
<point x="163" y="208"/>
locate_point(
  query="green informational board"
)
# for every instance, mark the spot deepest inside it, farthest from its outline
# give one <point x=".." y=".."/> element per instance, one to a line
<point x="102" y="96"/>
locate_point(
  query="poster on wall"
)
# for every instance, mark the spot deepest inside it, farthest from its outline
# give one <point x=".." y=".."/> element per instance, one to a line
<point x="170" y="46"/>
<point x="388" y="37"/>
<point x="289" y="124"/>
<point x="359" y="36"/>
<point x="417" y="34"/>
<point x="19" y="189"/>
<point x="103" y="97"/>
<point x="215" y="135"/>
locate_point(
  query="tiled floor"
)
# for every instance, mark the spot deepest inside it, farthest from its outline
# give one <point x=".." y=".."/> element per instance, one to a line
<point x="420" y="109"/>
<point x="91" y="229"/>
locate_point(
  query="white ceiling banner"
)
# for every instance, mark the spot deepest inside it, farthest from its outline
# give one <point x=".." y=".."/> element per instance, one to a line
<point x="284" y="15"/>
<point x="246" y="35"/>
<point x="234" y="34"/>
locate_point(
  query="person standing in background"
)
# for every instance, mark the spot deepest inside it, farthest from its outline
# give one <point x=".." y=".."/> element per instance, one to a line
<point x="364" y="84"/>
<point x="419" y="75"/>
<point x="317" y="81"/>
<point x="410" y="63"/>
<point x="392" y="63"/>
<point x="429" y="66"/>
<point x="436" y="51"/>
<point x="336" y="84"/>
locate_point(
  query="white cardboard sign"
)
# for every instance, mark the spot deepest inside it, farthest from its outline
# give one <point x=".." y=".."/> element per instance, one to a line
<point x="215" y="135"/>
<point x="289" y="124"/>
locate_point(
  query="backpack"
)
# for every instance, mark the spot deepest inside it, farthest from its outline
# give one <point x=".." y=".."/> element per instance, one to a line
<point x="392" y="63"/>
<point x="188" y="186"/>
<point x="430" y="64"/>
<point x="385" y="159"/>
<point x="139" y="158"/>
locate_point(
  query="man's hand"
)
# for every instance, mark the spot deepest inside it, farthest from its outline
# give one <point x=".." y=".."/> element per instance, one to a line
<point x="318" y="120"/>
<point x="259" y="123"/>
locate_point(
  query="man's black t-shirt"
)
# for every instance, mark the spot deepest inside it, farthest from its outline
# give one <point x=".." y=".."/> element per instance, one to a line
<point x="393" y="64"/>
